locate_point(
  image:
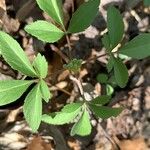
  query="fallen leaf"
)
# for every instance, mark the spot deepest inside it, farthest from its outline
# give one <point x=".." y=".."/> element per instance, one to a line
<point x="136" y="144"/>
<point x="2" y="9"/>
<point x="38" y="144"/>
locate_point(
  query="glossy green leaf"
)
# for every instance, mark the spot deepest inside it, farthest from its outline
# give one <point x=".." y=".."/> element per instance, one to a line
<point x="110" y="64"/>
<point x="109" y="90"/>
<point x="115" y="26"/>
<point x="68" y="114"/>
<point x="11" y="90"/>
<point x="120" y="72"/>
<point x="138" y="48"/>
<point x="101" y="100"/>
<point x="44" y="31"/>
<point x="40" y="65"/>
<point x="69" y="108"/>
<point x="45" y="92"/>
<point x="14" y="55"/>
<point x="83" y="126"/>
<point x="112" y="81"/>
<point x="106" y="42"/>
<point x="105" y="112"/>
<point x="102" y="78"/>
<point x="84" y="16"/>
<point x="32" y="108"/>
<point x="53" y="8"/>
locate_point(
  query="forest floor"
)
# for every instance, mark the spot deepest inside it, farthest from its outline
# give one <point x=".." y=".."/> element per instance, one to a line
<point x="129" y="131"/>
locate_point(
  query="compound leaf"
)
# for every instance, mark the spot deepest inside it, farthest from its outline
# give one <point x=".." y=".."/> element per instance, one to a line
<point x="115" y="26"/>
<point x="138" y="48"/>
<point x="120" y="72"/>
<point x="71" y="107"/>
<point x="110" y="64"/>
<point x="45" y="92"/>
<point x="53" y="8"/>
<point x="14" y="55"/>
<point x="106" y="42"/>
<point x="105" y="112"/>
<point x="44" y="31"/>
<point x="32" y="108"/>
<point x="83" y="126"/>
<point x="11" y="90"/>
<point x="68" y="114"/>
<point x="40" y="65"/>
<point x="102" y="78"/>
<point x="101" y="100"/>
<point x="84" y="16"/>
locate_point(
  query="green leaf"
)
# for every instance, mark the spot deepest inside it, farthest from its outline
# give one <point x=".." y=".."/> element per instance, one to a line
<point x="120" y="72"/>
<point x="138" y="48"/>
<point x="102" y="78"/>
<point x="110" y="64"/>
<point x="147" y="2"/>
<point x="115" y="26"/>
<point x="105" y="112"/>
<point x="68" y="114"/>
<point x="106" y="42"/>
<point x="44" y="31"/>
<point x="84" y="16"/>
<point x="53" y="8"/>
<point x="71" y="107"/>
<point x="45" y="92"/>
<point x="74" y="65"/>
<point x="11" y="90"/>
<point x="112" y="81"/>
<point x="40" y="65"/>
<point x="32" y="108"/>
<point x="83" y="126"/>
<point x="101" y="100"/>
<point x="14" y="55"/>
<point x="109" y="90"/>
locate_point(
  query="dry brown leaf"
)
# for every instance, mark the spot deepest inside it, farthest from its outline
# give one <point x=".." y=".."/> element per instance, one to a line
<point x="63" y="75"/>
<point x="38" y="144"/>
<point x="136" y="144"/>
<point x="2" y="9"/>
<point x="13" y="115"/>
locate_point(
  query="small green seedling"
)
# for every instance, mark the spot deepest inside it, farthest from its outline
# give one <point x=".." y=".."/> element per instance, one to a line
<point x="77" y="112"/>
<point x="74" y="65"/>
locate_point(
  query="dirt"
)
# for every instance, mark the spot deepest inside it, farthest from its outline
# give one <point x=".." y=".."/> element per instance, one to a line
<point x="129" y="131"/>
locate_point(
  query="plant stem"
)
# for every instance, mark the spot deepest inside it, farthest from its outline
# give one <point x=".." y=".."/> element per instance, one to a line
<point x="68" y="43"/>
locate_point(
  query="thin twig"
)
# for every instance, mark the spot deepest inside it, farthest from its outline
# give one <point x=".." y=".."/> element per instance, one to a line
<point x="113" y="142"/>
<point x="63" y="56"/>
<point x="72" y="3"/>
<point x="57" y="88"/>
<point x="63" y="90"/>
<point x="78" y="83"/>
<point x="93" y="58"/>
<point x="96" y="57"/>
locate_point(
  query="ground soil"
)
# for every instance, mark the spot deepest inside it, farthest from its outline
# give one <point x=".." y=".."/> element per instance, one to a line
<point x="129" y="131"/>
